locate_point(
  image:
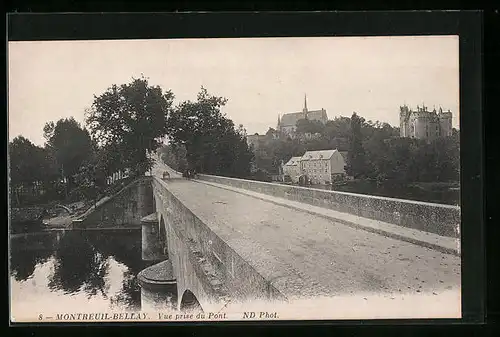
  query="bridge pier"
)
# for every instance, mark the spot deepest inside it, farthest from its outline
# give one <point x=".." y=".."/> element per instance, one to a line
<point x="158" y="287"/>
<point x="152" y="249"/>
<point x="157" y="282"/>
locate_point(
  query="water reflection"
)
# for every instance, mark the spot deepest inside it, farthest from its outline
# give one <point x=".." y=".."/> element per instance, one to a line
<point x="129" y="296"/>
<point x="79" y="265"/>
<point x="97" y="266"/>
<point x="23" y="263"/>
<point x="28" y="251"/>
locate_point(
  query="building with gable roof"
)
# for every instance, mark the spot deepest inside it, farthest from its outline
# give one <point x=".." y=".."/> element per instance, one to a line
<point x="320" y="167"/>
<point x="287" y="123"/>
<point x="292" y="169"/>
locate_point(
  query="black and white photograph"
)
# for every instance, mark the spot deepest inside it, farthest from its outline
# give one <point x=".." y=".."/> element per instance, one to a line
<point x="234" y="179"/>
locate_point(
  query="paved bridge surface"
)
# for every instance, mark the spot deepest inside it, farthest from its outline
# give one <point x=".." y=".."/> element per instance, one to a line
<point x="277" y="252"/>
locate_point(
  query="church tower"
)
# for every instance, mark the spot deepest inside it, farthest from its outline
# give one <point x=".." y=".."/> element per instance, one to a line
<point x="305" y="104"/>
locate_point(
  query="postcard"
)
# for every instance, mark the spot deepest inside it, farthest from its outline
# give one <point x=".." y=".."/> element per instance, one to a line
<point x="234" y="179"/>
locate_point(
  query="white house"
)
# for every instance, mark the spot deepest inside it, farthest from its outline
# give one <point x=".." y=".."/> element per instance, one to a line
<point x="292" y="169"/>
<point x="322" y="167"/>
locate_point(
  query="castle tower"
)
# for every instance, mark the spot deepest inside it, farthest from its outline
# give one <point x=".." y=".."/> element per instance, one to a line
<point x="445" y="122"/>
<point x="418" y="127"/>
<point x="404" y="115"/>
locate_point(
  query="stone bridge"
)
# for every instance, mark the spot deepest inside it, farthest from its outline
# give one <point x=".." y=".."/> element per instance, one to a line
<point x="231" y="240"/>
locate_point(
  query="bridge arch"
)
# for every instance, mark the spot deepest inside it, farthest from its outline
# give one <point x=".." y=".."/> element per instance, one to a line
<point x="189" y="302"/>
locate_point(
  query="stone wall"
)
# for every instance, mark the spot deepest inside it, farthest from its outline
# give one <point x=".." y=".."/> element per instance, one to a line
<point x="435" y="218"/>
<point x="124" y="209"/>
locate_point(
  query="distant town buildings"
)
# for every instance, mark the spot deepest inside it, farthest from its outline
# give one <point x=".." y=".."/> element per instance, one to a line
<point x="292" y="169"/>
<point x="287" y="123"/>
<point x="318" y="167"/>
<point x="255" y="140"/>
<point x="424" y="124"/>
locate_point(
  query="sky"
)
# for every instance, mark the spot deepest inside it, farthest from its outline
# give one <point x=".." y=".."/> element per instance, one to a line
<point x="260" y="77"/>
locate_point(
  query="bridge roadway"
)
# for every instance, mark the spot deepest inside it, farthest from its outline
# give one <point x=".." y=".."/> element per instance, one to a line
<point x="329" y="258"/>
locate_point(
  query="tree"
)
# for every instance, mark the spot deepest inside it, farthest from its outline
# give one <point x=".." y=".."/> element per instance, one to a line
<point x="308" y="126"/>
<point x="447" y="158"/>
<point x="242" y="131"/>
<point x="270" y="156"/>
<point x="213" y="144"/>
<point x="407" y="160"/>
<point x="70" y="145"/>
<point x="340" y="127"/>
<point x="356" y="160"/>
<point x="131" y="120"/>
<point x="375" y="143"/>
<point x="174" y="156"/>
<point x="271" y="133"/>
<point x="20" y="155"/>
<point x="92" y="176"/>
<point x="337" y="132"/>
<point x="30" y="167"/>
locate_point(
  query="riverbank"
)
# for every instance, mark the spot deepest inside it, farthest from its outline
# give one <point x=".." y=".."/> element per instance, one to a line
<point x="40" y="217"/>
<point x="57" y="214"/>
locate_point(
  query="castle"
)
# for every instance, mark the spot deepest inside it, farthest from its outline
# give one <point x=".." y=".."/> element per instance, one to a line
<point x="424" y="124"/>
<point x="288" y="122"/>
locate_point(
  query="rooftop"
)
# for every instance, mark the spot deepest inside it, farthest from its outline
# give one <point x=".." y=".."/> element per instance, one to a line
<point x="293" y="161"/>
<point x="315" y="155"/>
<point x="291" y="119"/>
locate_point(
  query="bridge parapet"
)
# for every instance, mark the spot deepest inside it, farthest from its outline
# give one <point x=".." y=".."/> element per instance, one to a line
<point x="228" y="244"/>
<point x="430" y="217"/>
<point x="203" y="262"/>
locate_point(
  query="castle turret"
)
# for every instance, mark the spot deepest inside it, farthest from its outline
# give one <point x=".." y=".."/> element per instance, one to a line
<point x="404" y="115"/>
<point x="445" y="122"/>
<point x="419" y="126"/>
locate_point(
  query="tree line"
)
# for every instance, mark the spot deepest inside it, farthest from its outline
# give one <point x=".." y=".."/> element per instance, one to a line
<point x="378" y="153"/>
<point x="375" y="151"/>
<point x="124" y="126"/>
<point x="127" y="123"/>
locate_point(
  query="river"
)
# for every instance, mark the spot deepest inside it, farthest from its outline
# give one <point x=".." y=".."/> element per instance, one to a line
<point x="76" y="269"/>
